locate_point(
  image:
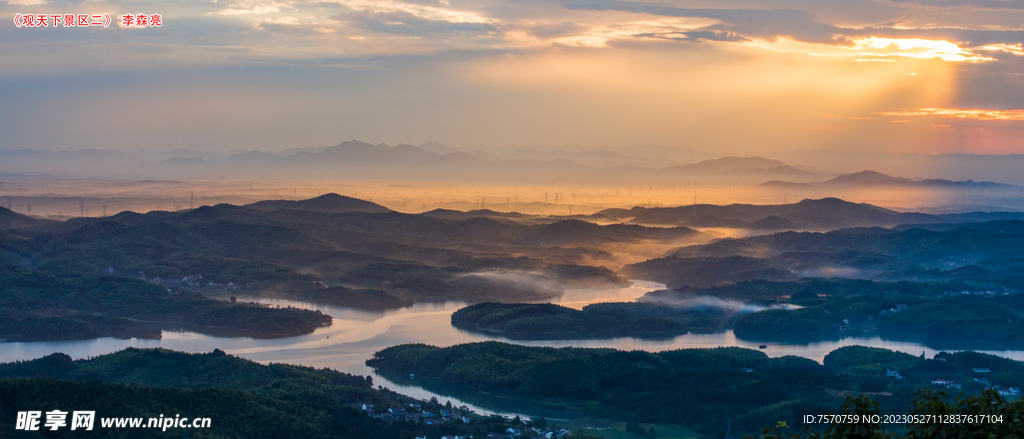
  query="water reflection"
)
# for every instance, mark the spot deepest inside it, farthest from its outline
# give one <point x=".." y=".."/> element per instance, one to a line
<point x="356" y="334"/>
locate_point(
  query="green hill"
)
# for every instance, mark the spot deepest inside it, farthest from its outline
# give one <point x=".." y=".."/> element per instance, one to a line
<point x="243" y="399"/>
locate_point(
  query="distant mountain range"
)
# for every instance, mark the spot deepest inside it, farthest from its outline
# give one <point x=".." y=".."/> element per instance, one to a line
<point x="432" y="161"/>
<point x="812" y="215"/>
<point x="1003" y="168"/>
<point x="635" y="164"/>
<point x="738" y="166"/>
<point x="872" y="178"/>
<point x="364" y="160"/>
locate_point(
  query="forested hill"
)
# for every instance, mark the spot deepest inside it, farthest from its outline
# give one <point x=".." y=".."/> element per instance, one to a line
<point x="43" y="306"/>
<point x="332" y="203"/>
<point x="988" y="250"/>
<point x="291" y="248"/>
<point x="819" y="215"/>
<point x="242" y="398"/>
<point x="701" y="389"/>
<point x="547" y="321"/>
<point x="162" y="367"/>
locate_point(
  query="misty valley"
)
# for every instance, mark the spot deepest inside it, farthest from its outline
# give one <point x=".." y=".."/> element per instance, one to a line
<point x="799" y="306"/>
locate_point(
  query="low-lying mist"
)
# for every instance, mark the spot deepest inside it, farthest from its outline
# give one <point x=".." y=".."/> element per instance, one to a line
<point x="508" y="285"/>
<point x="731" y="307"/>
<point x="63" y="198"/>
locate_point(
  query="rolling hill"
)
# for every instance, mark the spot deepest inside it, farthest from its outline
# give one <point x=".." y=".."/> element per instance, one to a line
<point x="327" y="203"/>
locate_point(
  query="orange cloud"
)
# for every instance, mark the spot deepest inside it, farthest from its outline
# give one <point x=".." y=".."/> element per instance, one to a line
<point x="957" y="113"/>
<point x="1016" y="49"/>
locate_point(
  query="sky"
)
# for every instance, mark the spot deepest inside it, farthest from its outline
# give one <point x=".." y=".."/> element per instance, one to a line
<point x="741" y="77"/>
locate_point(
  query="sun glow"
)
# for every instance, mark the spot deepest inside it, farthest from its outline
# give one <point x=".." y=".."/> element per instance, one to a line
<point x="916" y="48"/>
<point x="876" y="49"/>
<point x="1016" y="49"/>
<point x="957" y="113"/>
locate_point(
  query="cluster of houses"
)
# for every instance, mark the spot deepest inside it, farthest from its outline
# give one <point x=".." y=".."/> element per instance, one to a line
<point x="1011" y="391"/>
<point x="897" y="309"/>
<point x="1005" y="292"/>
<point x="515" y="433"/>
<point x="415" y="413"/>
<point x="191" y="280"/>
<point x="949" y="384"/>
<point x="546" y="433"/>
<point x="196" y="280"/>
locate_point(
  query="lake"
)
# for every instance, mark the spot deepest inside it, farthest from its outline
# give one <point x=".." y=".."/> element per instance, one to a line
<point x="355" y="335"/>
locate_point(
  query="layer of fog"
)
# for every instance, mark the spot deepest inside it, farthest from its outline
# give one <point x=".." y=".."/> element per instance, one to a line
<point x="508" y="285"/>
<point x="58" y="198"/>
<point x="702" y="302"/>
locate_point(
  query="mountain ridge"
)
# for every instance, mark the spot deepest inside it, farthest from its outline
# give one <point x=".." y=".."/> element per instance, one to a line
<point x="869" y="178"/>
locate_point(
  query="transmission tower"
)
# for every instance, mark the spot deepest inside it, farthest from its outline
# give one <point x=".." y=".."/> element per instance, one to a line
<point x="191" y="199"/>
<point x="81" y="208"/>
<point x="9" y="202"/>
<point x="29" y="210"/>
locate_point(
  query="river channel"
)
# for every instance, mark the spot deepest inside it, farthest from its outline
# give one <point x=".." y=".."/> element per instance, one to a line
<point x="355" y="335"/>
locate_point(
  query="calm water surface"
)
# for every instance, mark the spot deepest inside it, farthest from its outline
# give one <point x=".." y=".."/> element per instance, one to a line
<point x="355" y="335"/>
